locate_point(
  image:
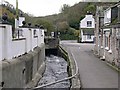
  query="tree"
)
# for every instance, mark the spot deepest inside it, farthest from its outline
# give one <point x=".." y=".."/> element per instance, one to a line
<point x="49" y="26"/>
<point x="91" y="8"/>
<point x="65" y="8"/>
<point x="63" y="26"/>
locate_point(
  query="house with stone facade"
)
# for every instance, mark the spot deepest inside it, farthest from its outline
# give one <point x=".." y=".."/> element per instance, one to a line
<point x="87" y="26"/>
<point x="107" y="33"/>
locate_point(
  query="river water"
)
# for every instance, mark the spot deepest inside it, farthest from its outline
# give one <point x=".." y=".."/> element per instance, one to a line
<point x="56" y="69"/>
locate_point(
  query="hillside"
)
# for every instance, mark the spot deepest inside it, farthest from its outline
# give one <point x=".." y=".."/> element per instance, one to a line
<point x="73" y="15"/>
<point x="66" y="22"/>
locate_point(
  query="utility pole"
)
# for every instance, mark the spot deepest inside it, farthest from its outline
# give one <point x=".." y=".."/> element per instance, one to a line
<point x="16" y="32"/>
<point x="16" y="9"/>
<point x="17" y="16"/>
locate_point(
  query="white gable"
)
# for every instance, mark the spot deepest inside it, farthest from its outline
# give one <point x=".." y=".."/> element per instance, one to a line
<point x="83" y="22"/>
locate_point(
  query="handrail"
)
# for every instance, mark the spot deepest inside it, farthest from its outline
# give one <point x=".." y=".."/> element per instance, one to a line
<point x="58" y="81"/>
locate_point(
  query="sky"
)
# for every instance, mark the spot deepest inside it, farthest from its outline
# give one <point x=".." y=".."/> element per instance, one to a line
<point x="42" y="7"/>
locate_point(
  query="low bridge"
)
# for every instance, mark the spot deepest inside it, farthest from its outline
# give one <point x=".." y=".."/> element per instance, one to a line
<point x="51" y="45"/>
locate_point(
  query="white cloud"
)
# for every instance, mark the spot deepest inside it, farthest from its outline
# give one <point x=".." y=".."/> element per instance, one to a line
<point x="42" y="7"/>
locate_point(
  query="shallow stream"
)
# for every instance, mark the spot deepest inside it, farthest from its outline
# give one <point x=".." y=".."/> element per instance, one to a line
<point x="56" y="69"/>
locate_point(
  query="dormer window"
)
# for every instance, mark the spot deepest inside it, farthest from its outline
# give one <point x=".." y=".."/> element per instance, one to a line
<point x="89" y="23"/>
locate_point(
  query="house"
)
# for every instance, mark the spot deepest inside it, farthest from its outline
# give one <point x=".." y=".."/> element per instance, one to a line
<point x="87" y="26"/>
<point x="107" y="45"/>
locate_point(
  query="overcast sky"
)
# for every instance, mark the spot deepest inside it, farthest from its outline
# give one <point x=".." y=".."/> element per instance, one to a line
<point x="42" y="7"/>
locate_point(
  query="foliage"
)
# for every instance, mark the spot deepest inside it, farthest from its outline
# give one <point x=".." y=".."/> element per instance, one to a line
<point x="49" y="26"/>
<point x="62" y="26"/>
<point x="67" y="22"/>
<point x="90" y="7"/>
<point x="65" y="8"/>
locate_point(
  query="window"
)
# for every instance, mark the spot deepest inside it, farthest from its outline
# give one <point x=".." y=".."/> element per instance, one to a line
<point x="89" y="23"/>
<point x="88" y="36"/>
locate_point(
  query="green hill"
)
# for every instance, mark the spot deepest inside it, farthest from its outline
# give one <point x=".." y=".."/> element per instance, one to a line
<point x="66" y="22"/>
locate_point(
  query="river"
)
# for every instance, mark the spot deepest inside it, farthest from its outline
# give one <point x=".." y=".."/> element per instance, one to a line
<point x="56" y="69"/>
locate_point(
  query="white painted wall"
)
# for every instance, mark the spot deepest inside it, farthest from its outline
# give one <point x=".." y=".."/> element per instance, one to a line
<point x="18" y="48"/>
<point x="34" y="42"/>
<point x="7" y="35"/>
<point x="1" y="29"/>
<point x="42" y="36"/>
<point x="26" y="34"/>
<point x="83" y="22"/>
<point x="107" y="16"/>
<point x="85" y="39"/>
<point x="39" y="36"/>
<point x="10" y="48"/>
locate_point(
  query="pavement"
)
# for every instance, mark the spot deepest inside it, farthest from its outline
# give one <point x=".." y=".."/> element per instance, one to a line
<point x="94" y="73"/>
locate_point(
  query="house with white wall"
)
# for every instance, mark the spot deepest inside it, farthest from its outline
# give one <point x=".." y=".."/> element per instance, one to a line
<point x="24" y="40"/>
<point x="87" y="26"/>
<point x="107" y="46"/>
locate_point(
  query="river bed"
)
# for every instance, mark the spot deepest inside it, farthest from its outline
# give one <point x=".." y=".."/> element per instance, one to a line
<point x="56" y="69"/>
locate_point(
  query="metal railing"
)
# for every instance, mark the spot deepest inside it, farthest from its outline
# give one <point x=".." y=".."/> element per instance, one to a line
<point x="18" y="33"/>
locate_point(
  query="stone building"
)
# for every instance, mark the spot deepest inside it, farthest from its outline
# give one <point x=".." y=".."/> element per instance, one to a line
<point x="107" y="33"/>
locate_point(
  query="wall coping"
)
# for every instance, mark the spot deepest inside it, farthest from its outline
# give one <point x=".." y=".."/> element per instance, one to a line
<point x="18" y="39"/>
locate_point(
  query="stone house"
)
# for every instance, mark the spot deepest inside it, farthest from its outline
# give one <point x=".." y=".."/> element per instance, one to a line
<point x="87" y="26"/>
<point x="107" y="34"/>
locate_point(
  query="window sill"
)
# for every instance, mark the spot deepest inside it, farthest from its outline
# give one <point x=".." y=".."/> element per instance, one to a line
<point x="110" y="51"/>
<point x="17" y="39"/>
<point x="101" y="47"/>
<point x="106" y="48"/>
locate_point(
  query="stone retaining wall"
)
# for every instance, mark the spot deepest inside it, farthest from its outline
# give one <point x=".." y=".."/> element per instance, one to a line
<point x="75" y="82"/>
<point x="21" y="71"/>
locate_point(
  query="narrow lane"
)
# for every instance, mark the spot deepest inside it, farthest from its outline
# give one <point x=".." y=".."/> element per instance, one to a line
<point x="94" y="73"/>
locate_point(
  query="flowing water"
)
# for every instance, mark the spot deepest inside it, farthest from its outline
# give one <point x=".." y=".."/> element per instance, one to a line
<point x="56" y="69"/>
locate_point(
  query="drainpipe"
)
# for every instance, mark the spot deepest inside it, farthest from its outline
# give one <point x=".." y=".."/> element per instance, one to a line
<point x="118" y="47"/>
<point x="103" y="58"/>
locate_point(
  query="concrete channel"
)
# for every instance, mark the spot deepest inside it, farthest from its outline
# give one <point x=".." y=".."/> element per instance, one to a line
<point x="56" y="69"/>
<point x="61" y="70"/>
